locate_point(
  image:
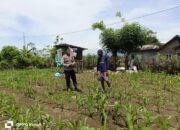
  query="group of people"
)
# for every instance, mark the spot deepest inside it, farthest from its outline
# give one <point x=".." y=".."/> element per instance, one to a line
<point x="68" y="61"/>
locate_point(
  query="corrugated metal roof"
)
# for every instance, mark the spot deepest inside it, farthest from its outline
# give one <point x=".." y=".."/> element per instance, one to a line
<point x="149" y="47"/>
<point x="64" y="45"/>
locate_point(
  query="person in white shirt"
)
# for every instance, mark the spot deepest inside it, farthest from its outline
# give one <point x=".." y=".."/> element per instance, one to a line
<point x="68" y="62"/>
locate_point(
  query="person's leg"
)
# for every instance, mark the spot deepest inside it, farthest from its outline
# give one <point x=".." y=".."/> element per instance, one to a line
<point x="101" y="79"/>
<point x="102" y="84"/>
<point x="108" y="83"/>
<point x="73" y="77"/>
<point x="107" y="79"/>
<point x="67" y="76"/>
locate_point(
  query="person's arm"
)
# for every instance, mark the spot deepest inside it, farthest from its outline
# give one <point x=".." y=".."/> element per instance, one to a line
<point x="97" y="66"/>
<point x="107" y="63"/>
<point x="73" y="61"/>
<point x="63" y="63"/>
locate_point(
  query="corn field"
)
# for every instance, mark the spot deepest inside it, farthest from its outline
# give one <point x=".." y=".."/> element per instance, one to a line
<point x="137" y="101"/>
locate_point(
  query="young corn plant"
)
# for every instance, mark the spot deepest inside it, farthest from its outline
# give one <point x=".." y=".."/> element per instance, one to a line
<point x="158" y="101"/>
<point x="145" y="128"/>
<point x="30" y="92"/>
<point x="37" y="112"/>
<point x="128" y="96"/>
<point x="80" y="101"/>
<point x="118" y="96"/>
<point x="177" y="118"/>
<point x="103" y="102"/>
<point x="77" y="125"/>
<point x="60" y="101"/>
<point x="145" y="101"/>
<point x="47" y="121"/>
<point x="104" y="120"/>
<point x="61" y="125"/>
<point x="131" y="116"/>
<point x="148" y="118"/>
<point x="165" y="123"/>
<point x="26" y="117"/>
<point x="97" y="95"/>
<point x="177" y="104"/>
<point x="90" y="105"/>
<point x="13" y="112"/>
<point x="116" y="112"/>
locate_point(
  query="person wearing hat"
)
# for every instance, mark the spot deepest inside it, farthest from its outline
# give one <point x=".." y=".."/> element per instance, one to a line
<point x="102" y="69"/>
<point x="68" y="62"/>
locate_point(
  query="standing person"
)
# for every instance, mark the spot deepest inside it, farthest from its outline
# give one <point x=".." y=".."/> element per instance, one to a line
<point x="68" y="62"/>
<point x="132" y="64"/>
<point x="102" y="68"/>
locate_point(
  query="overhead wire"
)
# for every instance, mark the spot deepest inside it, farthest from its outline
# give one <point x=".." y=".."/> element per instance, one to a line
<point x="110" y="24"/>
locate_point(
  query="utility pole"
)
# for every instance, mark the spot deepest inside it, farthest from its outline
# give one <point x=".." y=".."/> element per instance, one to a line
<point x="24" y="39"/>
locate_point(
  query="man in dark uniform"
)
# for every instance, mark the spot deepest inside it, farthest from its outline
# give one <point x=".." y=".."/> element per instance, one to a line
<point x="102" y="69"/>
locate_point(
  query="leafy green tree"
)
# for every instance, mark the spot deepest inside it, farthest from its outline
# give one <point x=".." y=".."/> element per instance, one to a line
<point x="23" y="61"/>
<point x="126" y="39"/>
<point x="151" y="38"/>
<point x="108" y="39"/>
<point x="9" y="54"/>
<point x="131" y="36"/>
<point x="3" y="64"/>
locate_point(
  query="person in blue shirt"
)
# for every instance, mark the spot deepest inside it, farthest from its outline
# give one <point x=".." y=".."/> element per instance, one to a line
<point x="102" y="68"/>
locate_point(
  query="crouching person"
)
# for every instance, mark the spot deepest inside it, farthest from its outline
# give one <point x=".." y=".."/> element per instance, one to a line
<point x="68" y="62"/>
<point x="102" y="69"/>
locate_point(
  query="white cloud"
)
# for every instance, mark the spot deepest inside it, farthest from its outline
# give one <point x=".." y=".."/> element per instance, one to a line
<point x="50" y="16"/>
<point x="59" y="16"/>
<point x="166" y="24"/>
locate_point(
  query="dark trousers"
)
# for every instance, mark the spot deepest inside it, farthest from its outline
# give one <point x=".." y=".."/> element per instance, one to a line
<point x="70" y="74"/>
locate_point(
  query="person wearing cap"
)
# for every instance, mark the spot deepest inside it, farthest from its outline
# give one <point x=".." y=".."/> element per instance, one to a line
<point x="102" y="69"/>
<point x="68" y="62"/>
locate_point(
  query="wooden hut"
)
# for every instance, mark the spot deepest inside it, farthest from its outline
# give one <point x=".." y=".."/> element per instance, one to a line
<point x="61" y="49"/>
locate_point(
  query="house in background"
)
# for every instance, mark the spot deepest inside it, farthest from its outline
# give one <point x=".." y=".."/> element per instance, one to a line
<point x="149" y="53"/>
<point x="171" y="48"/>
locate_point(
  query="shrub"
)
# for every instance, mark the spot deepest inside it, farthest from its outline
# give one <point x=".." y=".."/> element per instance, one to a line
<point x="3" y="64"/>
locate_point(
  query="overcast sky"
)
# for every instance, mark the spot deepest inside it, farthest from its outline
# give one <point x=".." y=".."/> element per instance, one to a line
<point x="42" y="20"/>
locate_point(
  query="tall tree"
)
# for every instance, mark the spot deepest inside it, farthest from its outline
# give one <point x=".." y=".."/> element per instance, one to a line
<point x="126" y="39"/>
<point x="108" y="39"/>
<point x="151" y="38"/>
<point x="131" y="36"/>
